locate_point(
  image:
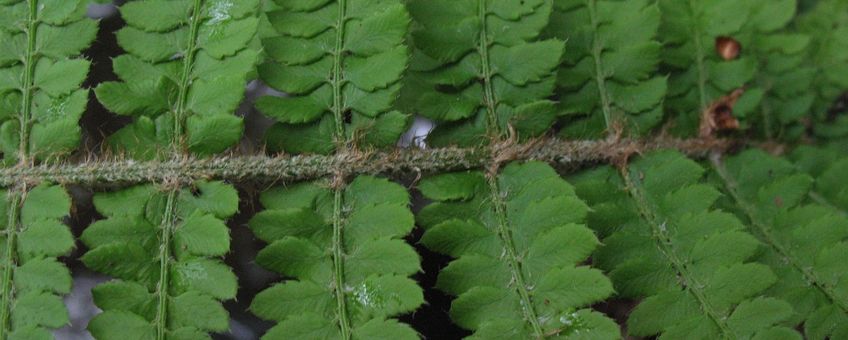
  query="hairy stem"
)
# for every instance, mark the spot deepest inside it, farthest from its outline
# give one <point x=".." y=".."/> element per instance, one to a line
<point x="28" y="82"/>
<point x="659" y="231"/>
<point x="763" y="231"/>
<point x="185" y="81"/>
<point x="337" y="82"/>
<point x="512" y="258"/>
<point x="489" y="99"/>
<point x="9" y="260"/>
<point x="600" y="73"/>
<point x="165" y="230"/>
<point x="338" y="265"/>
<point x="564" y="154"/>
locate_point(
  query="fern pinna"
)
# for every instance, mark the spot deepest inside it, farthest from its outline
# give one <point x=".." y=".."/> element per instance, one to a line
<point x="41" y="103"/>
<point x="807" y="242"/>
<point x="692" y="265"/>
<point x="607" y="81"/>
<point x="164" y="249"/>
<point x="346" y="254"/>
<point x="827" y="25"/>
<point x="517" y="274"/>
<point x="481" y="63"/>
<point x="689" y="33"/>
<point x="341" y="80"/>
<point x="183" y="77"/>
<point x="340" y="241"/>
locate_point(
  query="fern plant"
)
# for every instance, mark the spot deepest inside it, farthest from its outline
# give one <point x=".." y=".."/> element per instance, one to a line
<point x="806" y="241"/>
<point x="692" y="265"/>
<point x="753" y="250"/>
<point x="608" y="79"/>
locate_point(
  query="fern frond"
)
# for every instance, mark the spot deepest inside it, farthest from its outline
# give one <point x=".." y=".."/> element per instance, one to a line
<point x="827" y="24"/>
<point x="689" y="263"/>
<point x="341" y="64"/>
<point x="183" y="77"/>
<point x="699" y="76"/>
<point x="163" y="248"/>
<point x="41" y="71"/>
<point x="608" y="79"/>
<point x="518" y="245"/>
<point x="32" y="277"/>
<point x="480" y="66"/>
<point x="345" y="253"/>
<point x="807" y="242"/>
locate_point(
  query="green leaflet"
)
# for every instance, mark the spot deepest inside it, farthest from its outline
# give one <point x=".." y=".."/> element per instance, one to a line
<point x="480" y="66"/>
<point x="608" y="79"/>
<point x="690" y="263"/>
<point x="33" y="279"/>
<point x="516" y="275"/>
<point x="807" y="242"/>
<point x="349" y="238"/>
<point x="828" y="165"/>
<point x="164" y="249"/>
<point x="183" y="76"/>
<point x="340" y="63"/>
<point x="699" y="75"/>
<point x="827" y="25"/>
<point x="40" y="76"/>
